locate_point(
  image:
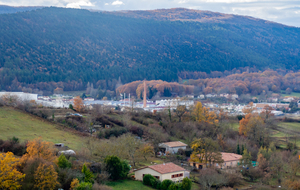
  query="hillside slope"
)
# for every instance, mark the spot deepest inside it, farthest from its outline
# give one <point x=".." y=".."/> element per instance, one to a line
<point x="26" y="127"/>
<point x="56" y="44"/>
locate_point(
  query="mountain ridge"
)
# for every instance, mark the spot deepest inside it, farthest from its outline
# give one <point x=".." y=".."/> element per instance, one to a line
<point x="169" y="14"/>
<point x="64" y="45"/>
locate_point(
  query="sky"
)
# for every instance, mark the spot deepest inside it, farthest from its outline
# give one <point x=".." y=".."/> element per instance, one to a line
<point x="282" y="11"/>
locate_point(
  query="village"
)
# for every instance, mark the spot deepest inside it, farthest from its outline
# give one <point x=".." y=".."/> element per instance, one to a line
<point x="191" y="139"/>
<point x="280" y="105"/>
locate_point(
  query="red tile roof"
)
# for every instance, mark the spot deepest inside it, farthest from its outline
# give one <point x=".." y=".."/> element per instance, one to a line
<point x="165" y="168"/>
<point x="227" y="157"/>
<point x="175" y="144"/>
<point x="230" y="157"/>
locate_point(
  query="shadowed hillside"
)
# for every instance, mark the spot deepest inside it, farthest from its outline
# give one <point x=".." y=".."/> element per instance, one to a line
<point x="57" y="44"/>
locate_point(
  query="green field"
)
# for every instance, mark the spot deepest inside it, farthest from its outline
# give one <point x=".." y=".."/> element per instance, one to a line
<point x="290" y="126"/>
<point x="292" y="94"/>
<point x="235" y="126"/>
<point x="135" y="185"/>
<point x="26" y="127"/>
<point x="128" y="185"/>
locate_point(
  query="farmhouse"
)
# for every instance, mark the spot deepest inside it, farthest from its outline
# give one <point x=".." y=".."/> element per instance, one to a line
<point x="230" y="160"/>
<point x="172" y="147"/>
<point x="163" y="171"/>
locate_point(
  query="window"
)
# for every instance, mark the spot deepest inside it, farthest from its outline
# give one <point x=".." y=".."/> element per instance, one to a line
<point x="177" y="175"/>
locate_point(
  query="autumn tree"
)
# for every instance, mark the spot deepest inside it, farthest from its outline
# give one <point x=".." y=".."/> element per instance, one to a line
<point x="78" y="104"/>
<point x="180" y="111"/>
<point x="288" y="91"/>
<point x="248" y="122"/>
<point x="40" y="149"/>
<point x="146" y="150"/>
<point x="74" y="184"/>
<point x="202" y="114"/>
<point x="206" y="151"/>
<point x="45" y="177"/>
<point x="255" y="129"/>
<point x="10" y="177"/>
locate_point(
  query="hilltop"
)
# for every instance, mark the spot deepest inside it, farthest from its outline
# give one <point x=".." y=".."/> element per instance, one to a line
<point x="74" y="46"/>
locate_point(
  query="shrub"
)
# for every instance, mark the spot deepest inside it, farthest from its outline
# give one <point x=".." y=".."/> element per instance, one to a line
<point x="158" y="184"/>
<point x="88" y="175"/>
<point x="154" y="182"/>
<point x="63" y="162"/>
<point x="84" y="186"/>
<point x="136" y="131"/>
<point x="174" y="186"/>
<point x="116" y="131"/>
<point x="65" y="177"/>
<point x="116" y="168"/>
<point x="166" y="183"/>
<point x="148" y="179"/>
<point x="186" y="184"/>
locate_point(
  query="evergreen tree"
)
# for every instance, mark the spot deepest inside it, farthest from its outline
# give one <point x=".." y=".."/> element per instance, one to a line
<point x="63" y="162"/>
<point x="243" y="148"/>
<point x="238" y="149"/>
<point x="88" y="175"/>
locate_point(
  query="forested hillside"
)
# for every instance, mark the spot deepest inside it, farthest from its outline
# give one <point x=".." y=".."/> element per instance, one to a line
<point x="78" y="46"/>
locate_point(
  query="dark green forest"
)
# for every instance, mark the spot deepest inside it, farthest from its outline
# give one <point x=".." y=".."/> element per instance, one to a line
<point x="69" y="45"/>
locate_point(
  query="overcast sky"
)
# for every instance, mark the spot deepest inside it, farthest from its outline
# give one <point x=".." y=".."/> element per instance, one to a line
<point x="282" y="11"/>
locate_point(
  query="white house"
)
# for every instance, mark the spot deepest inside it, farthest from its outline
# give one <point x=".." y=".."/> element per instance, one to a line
<point x="163" y="171"/>
<point x="172" y="147"/>
<point x="201" y="96"/>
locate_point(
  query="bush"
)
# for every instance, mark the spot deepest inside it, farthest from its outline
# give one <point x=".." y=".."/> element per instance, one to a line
<point x="65" y="177"/>
<point x="88" y="175"/>
<point x="158" y="184"/>
<point x="148" y="179"/>
<point x="116" y="168"/>
<point x="174" y="186"/>
<point x="116" y="131"/>
<point x="154" y="182"/>
<point x="63" y="162"/>
<point x="136" y="131"/>
<point x="186" y="184"/>
<point x="166" y="183"/>
<point x="84" y="186"/>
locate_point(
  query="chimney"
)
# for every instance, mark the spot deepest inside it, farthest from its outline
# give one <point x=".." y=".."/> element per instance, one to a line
<point x="145" y="95"/>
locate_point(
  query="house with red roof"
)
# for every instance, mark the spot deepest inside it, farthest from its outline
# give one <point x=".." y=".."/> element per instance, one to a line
<point x="163" y="171"/>
<point x="230" y="160"/>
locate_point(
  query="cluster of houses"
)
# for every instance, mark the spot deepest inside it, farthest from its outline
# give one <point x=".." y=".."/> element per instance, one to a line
<point x="176" y="173"/>
<point x="62" y="101"/>
<point x="227" y="96"/>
